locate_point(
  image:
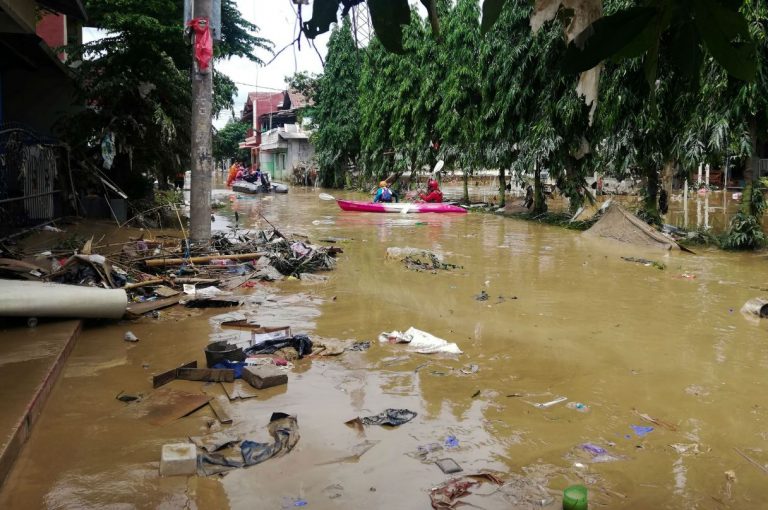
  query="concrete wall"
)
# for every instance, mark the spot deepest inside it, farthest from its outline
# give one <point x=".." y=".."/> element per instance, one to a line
<point x="21" y="12"/>
<point x="36" y="98"/>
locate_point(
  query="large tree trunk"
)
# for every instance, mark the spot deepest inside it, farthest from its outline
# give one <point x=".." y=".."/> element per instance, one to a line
<point x="751" y="171"/>
<point x="465" y="199"/>
<point x="667" y="174"/>
<point x="651" y="207"/>
<point x="539" y="204"/>
<point x="502" y="187"/>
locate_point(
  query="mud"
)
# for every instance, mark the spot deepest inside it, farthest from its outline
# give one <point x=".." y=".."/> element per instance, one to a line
<point x="622" y="339"/>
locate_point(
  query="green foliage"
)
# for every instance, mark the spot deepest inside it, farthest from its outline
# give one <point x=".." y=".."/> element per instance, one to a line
<point x="629" y="32"/>
<point x="137" y="82"/>
<point x="305" y="83"/>
<point x="226" y="141"/>
<point x="745" y="231"/>
<point x="337" y="139"/>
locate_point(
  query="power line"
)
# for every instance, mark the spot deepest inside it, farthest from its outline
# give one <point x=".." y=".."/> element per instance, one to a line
<point x="257" y="86"/>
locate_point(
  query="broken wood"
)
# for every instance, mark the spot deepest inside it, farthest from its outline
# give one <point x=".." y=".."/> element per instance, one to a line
<point x="211" y="281"/>
<point x="138" y="309"/>
<point x="220" y="409"/>
<point x="144" y="284"/>
<point x="200" y="260"/>
<point x="205" y="374"/>
<point x="751" y="461"/>
<point x="170" y="375"/>
<point x="239" y="389"/>
<point x="165" y="406"/>
<point x="165" y="292"/>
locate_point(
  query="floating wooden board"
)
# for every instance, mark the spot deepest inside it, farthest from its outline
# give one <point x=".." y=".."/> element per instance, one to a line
<point x="138" y="309"/>
<point x="170" y="375"/>
<point x="205" y="374"/>
<point x="167" y="405"/>
<point x="239" y="389"/>
<point x="164" y="291"/>
<point x="220" y="407"/>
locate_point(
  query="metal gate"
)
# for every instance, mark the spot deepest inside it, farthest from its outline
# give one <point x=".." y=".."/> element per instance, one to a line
<point x="28" y="180"/>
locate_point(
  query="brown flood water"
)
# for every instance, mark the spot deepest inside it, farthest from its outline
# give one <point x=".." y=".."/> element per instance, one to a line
<point x="613" y="335"/>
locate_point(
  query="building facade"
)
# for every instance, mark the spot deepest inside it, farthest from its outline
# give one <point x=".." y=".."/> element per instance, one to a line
<point x="277" y="140"/>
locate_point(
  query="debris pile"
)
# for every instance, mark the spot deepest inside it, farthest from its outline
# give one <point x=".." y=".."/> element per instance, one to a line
<point x="164" y="271"/>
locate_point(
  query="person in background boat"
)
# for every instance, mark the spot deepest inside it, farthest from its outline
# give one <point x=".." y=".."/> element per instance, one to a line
<point x="433" y="193"/>
<point x="384" y="194"/>
<point x="240" y="172"/>
<point x="266" y="185"/>
<point x="232" y="173"/>
<point x="254" y="176"/>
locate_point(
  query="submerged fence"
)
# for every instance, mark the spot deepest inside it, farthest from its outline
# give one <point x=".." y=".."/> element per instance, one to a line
<point x="29" y="169"/>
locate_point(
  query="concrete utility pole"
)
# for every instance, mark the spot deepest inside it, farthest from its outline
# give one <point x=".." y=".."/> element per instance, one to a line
<point x="202" y="99"/>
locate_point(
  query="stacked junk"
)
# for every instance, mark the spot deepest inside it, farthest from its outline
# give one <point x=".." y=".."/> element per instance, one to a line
<point x="140" y="276"/>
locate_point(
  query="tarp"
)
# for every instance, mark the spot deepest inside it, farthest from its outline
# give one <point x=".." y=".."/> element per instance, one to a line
<point x="620" y="225"/>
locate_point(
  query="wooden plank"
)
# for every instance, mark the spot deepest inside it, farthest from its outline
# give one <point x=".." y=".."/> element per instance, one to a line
<point x="170" y="375"/>
<point x="206" y="374"/>
<point x="201" y="260"/>
<point x="239" y="389"/>
<point x="165" y="406"/>
<point x="166" y="292"/>
<point x="147" y="306"/>
<point x="220" y="408"/>
<point x="144" y="284"/>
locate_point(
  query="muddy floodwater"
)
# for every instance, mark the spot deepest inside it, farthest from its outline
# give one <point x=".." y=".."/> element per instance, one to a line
<point x="565" y="316"/>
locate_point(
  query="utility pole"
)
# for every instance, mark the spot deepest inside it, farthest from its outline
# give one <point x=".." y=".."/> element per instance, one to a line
<point x="202" y="159"/>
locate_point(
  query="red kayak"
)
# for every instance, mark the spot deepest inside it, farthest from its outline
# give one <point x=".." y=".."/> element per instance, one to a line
<point x="398" y="207"/>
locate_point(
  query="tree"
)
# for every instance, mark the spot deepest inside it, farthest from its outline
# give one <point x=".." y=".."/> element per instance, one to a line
<point x="459" y="119"/>
<point x="633" y="30"/>
<point x="337" y="140"/>
<point x="137" y="82"/>
<point x="226" y="141"/>
<point x="377" y="97"/>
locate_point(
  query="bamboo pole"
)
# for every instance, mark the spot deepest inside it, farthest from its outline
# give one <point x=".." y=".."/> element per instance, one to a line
<point x="200" y="260"/>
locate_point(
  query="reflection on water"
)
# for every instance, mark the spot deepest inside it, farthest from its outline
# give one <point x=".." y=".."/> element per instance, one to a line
<point x="565" y="316"/>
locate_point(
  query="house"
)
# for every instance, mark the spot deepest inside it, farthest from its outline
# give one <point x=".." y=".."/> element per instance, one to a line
<point x="277" y="139"/>
<point x="36" y="89"/>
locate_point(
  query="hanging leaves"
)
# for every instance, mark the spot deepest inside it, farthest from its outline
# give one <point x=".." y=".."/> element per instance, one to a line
<point x="388" y="18"/>
<point x="608" y="36"/>
<point x="726" y="35"/>
<point x="491" y="13"/>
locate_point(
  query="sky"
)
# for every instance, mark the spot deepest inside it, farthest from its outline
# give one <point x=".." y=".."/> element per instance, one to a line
<point x="276" y="20"/>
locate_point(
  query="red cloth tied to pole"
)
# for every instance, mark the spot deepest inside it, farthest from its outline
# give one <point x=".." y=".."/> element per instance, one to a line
<point x="203" y="42"/>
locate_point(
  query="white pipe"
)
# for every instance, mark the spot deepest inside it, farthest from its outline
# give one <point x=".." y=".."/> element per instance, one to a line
<point x="685" y="203"/>
<point x="707" y="175"/>
<point x="39" y="299"/>
<point x="698" y="181"/>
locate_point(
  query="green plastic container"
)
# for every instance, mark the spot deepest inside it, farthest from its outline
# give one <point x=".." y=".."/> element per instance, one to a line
<point x="575" y="498"/>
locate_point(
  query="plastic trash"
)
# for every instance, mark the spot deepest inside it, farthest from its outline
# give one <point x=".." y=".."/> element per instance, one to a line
<point x="641" y="430"/>
<point x="421" y="341"/>
<point x="130" y="337"/>
<point x="547" y="405"/>
<point x="451" y="442"/>
<point x="577" y="406"/>
<point x="392" y="417"/>
<point x="448" y="466"/>
<point x="575" y="498"/>
<point x="594" y="449"/>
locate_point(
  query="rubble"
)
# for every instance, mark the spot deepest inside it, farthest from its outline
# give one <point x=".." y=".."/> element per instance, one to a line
<point x="151" y="273"/>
